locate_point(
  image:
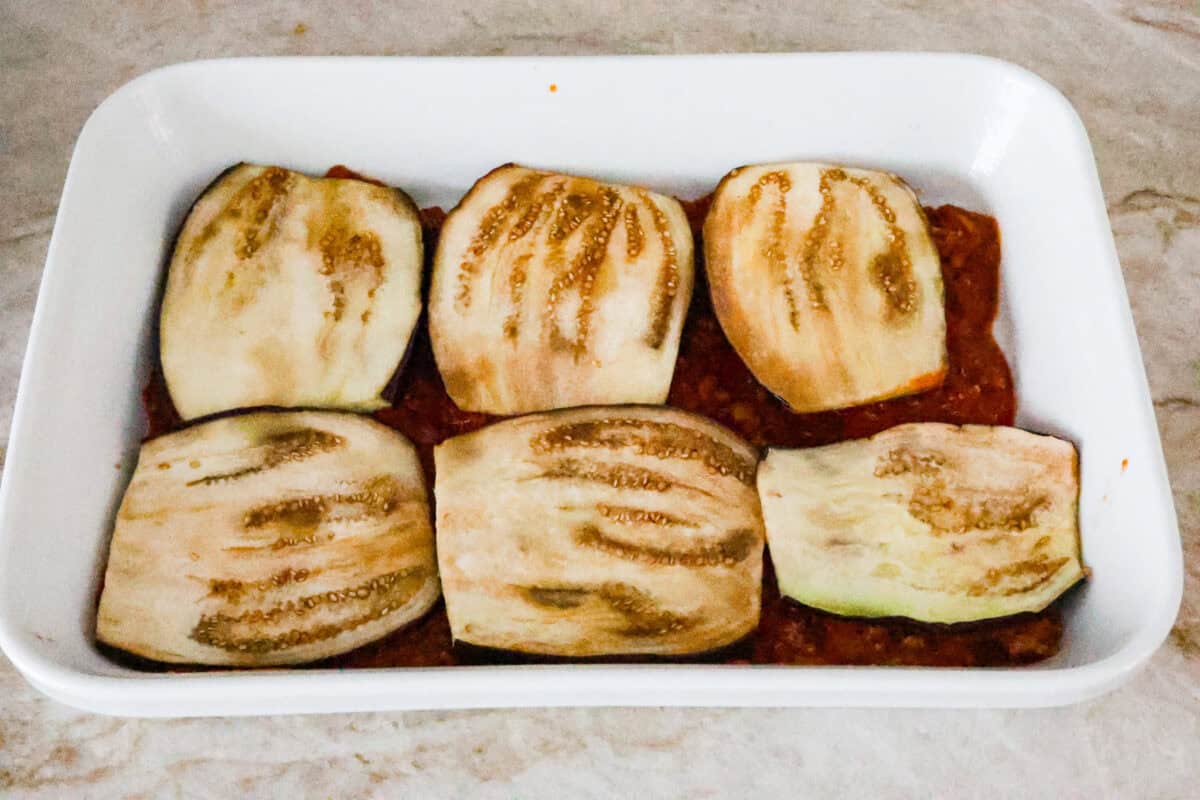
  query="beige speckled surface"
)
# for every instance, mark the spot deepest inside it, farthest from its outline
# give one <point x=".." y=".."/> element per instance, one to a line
<point x="1132" y="69"/>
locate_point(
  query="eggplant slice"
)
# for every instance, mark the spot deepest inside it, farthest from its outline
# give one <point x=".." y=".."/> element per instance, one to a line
<point x="269" y="538"/>
<point x="552" y="291"/>
<point x="600" y="531"/>
<point x="934" y="522"/>
<point x="290" y="291"/>
<point x="827" y="282"/>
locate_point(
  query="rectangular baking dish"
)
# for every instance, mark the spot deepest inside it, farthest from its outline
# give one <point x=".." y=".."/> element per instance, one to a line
<point x="964" y="129"/>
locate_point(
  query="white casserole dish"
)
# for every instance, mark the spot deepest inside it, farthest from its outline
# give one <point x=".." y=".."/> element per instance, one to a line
<point x="964" y="129"/>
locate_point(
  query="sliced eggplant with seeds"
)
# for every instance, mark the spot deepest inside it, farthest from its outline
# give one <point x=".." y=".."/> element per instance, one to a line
<point x="552" y="291"/>
<point x="291" y="291"/>
<point x="934" y="522"/>
<point x="827" y="282"/>
<point x="269" y="538"/>
<point x="598" y="531"/>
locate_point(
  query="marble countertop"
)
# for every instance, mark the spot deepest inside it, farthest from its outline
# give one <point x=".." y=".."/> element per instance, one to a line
<point x="1132" y="69"/>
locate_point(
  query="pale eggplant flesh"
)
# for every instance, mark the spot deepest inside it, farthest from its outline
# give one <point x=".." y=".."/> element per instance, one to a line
<point x="934" y="522"/>
<point x="551" y="291"/>
<point x="827" y="283"/>
<point x="267" y="539"/>
<point x="286" y="290"/>
<point x="600" y="531"/>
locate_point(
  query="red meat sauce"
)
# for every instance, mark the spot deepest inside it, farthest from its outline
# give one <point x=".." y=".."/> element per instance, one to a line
<point x="711" y="379"/>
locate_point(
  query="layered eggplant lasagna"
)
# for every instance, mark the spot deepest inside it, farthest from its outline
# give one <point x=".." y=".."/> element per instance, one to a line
<point x="579" y="420"/>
